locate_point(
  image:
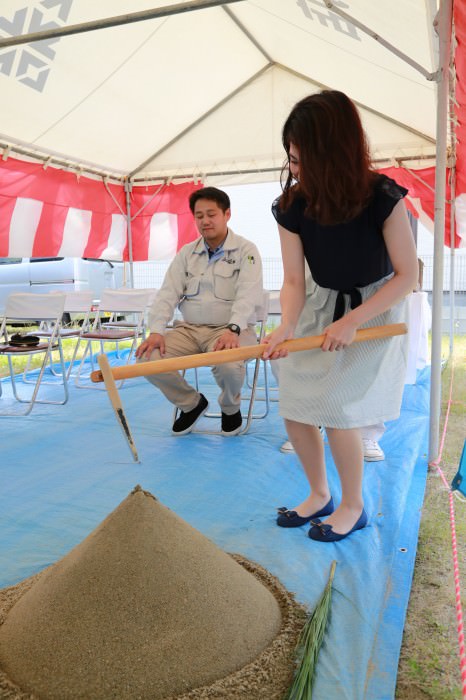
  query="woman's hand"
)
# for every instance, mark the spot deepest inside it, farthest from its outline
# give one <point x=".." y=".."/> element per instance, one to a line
<point x="277" y="336"/>
<point x="339" y="335"/>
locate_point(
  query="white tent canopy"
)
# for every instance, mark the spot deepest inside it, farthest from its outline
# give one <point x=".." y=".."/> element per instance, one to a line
<point x="206" y="91"/>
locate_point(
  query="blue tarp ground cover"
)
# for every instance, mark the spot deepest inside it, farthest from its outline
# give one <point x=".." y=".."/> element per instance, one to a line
<point x="63" y="469"/>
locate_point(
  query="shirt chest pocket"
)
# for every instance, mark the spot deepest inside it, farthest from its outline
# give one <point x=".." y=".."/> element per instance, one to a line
<point x="192" y="287"/>
<point x="225" y="278"/>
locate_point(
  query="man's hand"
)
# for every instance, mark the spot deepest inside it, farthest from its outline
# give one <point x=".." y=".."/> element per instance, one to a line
<point x="227" y="340"/>
<point x="155" y="340"/>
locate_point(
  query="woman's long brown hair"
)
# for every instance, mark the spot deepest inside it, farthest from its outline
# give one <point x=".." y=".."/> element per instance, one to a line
<point x="335" y="175"/>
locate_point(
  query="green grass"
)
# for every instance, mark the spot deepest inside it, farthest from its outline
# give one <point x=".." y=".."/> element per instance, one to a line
<point x="429" y="661"/>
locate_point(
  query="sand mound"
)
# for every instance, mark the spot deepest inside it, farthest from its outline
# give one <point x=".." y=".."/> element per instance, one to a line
<point x="144" y="607"/>
<point x="268" y="676"/>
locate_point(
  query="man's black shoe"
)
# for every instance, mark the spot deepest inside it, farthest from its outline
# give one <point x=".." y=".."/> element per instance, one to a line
<point x="231" y="425"/>
<point x="186" y="421"/>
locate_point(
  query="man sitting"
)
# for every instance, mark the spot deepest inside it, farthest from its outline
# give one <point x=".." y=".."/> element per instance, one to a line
<point x="216" y="282"/>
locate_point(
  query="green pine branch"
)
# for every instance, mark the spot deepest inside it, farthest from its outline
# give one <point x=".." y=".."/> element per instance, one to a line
<point x="309" y="643"/>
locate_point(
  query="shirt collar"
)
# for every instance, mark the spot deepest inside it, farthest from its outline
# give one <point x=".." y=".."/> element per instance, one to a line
<point x="214" y="253"/>
<point x="230" y="243"/>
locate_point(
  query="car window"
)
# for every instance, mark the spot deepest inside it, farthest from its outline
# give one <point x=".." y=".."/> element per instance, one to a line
<point x="10" y="261"/>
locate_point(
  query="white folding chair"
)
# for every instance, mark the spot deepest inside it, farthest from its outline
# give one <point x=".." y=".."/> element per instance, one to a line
<point x="36" y="309"/>
<point x="270" y="392"/>
<point x="117" y="303"/>
<point x="129" y="322"/>
<point x="262" y="314"/>
<point x="259" y="320"/>
<point x="78" y="308"/>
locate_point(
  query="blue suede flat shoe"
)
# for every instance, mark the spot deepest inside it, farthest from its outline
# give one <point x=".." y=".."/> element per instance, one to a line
<point x="290" y="518"/>
<point x="321" y="532"/>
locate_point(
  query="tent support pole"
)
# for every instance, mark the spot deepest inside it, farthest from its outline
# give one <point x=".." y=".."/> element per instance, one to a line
<point x="128" y="189"/>
<point x="452" y="259"/>
<point x="108" y="22"/>
<point x="377" y="37"/>
<point x="444" y="29"/>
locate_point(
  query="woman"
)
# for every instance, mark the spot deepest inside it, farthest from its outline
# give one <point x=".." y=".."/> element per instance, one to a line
<point x="350" y="224"/>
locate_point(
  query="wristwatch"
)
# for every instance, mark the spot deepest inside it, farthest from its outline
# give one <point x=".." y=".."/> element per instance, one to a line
<point x="234" y="328"/>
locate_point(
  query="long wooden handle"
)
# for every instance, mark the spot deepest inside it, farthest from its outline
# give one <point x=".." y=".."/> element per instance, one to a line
<point x="246" y="352"/>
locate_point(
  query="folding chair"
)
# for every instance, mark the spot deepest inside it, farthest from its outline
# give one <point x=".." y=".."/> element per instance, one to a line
<point x="126" y="323"/>
<point x="117" y="303"/>
<point x="37" y="309"/>
<point x="79" y="304"/>
<point x="262" y="314"/>
<point x="271" y="392"/>
<point x="260" y="319"/>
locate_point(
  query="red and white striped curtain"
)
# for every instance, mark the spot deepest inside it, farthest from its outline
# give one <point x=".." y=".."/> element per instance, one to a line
<point x="421" y="197"/>
<point x="421" y="183"/>
<point x="459" y="15"/>
<point x="46" y="212"/>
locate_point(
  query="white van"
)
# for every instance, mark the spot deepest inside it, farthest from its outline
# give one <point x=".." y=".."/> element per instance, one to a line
<point x="42" y="275"/>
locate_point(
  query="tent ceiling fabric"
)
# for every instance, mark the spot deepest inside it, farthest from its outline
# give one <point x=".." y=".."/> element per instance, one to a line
<point x="207" y="91"/>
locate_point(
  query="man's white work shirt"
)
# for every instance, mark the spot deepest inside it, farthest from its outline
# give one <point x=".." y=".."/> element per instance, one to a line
<point x="226" y="291"/>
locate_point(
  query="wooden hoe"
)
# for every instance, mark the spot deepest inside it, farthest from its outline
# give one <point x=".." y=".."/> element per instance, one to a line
<point x="109" y="374"/>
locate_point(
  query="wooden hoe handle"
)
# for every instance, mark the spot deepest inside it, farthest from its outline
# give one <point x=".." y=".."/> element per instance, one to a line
<point x="246" y="352"/>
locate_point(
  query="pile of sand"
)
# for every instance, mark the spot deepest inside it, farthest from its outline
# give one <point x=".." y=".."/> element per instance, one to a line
<point x="144" y="607"/>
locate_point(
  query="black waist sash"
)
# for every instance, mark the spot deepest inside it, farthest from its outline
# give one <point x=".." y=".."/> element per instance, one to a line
<point x="355" y="300"/>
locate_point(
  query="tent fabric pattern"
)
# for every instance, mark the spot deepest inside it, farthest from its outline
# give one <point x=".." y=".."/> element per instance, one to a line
<point x="162" y="223"/>
<point x="149" y="97"/>
<point x="48" y="212"/>
<point x="421" y="198"/>
<point x="459" y="14"/>
<point x="45" y="212"/>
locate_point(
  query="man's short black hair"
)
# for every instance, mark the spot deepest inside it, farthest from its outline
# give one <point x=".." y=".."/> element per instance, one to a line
<point x="211" y="193"/>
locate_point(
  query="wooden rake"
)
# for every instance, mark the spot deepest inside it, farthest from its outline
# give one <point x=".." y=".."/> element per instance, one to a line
<point x="109" y="375"/>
